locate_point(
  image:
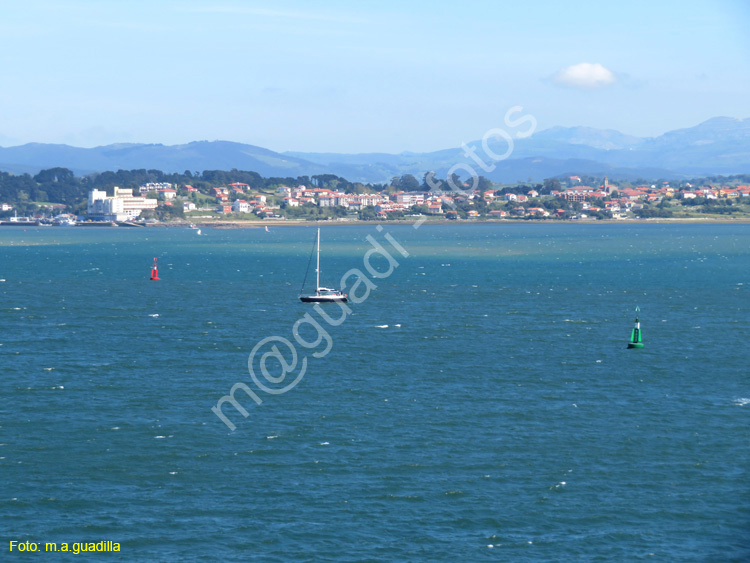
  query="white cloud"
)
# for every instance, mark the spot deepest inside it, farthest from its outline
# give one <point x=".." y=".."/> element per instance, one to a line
<point x="585" y="75"/>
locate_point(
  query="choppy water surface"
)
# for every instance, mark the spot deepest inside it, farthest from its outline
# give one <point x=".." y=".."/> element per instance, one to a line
<point x="479" y="405"/>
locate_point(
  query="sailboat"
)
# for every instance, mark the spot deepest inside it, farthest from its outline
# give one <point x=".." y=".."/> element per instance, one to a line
<point x="636" y="340"/>
<point x="322" y="294"/>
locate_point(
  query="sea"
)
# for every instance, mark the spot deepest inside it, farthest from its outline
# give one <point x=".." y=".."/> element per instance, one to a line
<point x="475" y="400"/>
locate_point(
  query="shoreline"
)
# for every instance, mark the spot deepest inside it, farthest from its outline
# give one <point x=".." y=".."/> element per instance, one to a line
<point x="239" y="224"/>
<point x="299" y="223"/>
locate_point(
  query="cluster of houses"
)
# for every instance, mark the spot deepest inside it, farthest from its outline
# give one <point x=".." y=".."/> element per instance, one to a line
<point x="634" y="198"/>
<point x="381" y="202"/>
<point x="712" y="192"/>
<point x="238" y="198"/>
<point x="614" y="201"/>
<point x="232" y="199"/>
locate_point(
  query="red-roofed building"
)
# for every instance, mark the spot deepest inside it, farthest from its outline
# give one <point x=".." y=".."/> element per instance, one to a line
<point x="538" y="211"/>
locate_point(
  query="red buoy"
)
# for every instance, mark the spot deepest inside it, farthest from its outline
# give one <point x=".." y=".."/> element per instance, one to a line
<point x="154" y="272"/>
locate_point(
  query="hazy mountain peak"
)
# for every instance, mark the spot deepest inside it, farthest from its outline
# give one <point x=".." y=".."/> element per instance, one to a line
<point x="724" y="121"/>
<point x="715" y="130"/>
<point x="606" y="139"/>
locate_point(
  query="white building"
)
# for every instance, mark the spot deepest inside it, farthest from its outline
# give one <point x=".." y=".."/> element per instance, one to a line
<point x="123" y="206"/>
<point x="104" y="208"/>
<point x="369" y="199"/>
<point x="241" y="206"/>
<point x="410" y="198"/>
<point x="154" y="187"/>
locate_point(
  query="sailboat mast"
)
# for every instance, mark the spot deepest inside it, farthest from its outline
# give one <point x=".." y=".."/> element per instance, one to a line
<point x="317" y="269"/>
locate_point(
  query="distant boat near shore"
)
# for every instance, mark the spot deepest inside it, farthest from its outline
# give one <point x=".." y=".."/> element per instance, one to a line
<point x="22" y="222"/>
<point x="17" y="221"/>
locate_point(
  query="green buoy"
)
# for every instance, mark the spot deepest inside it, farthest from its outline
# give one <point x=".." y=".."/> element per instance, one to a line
<point x="636" y="341"/>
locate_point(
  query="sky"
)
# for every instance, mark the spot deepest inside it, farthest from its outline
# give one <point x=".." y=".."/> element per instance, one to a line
<point x="369" y="76"/>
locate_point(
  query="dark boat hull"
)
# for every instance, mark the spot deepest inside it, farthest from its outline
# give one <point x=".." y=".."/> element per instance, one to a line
<point x="322" y="298"/>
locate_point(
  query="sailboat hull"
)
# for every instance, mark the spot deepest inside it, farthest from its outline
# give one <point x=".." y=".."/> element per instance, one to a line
<point x="322" y="298"/>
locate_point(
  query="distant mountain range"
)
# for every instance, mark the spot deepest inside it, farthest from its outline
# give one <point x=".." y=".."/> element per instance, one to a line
<point x="718" y="146"/>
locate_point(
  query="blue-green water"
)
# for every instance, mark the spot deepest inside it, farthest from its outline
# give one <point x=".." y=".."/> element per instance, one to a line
<point x="479" y="405"/>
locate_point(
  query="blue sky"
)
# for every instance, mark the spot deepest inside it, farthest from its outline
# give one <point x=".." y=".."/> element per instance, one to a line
<point x="366" y="76"/>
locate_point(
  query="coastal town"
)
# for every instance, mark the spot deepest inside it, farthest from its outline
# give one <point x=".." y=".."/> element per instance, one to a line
<point x="573" y="198"/>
